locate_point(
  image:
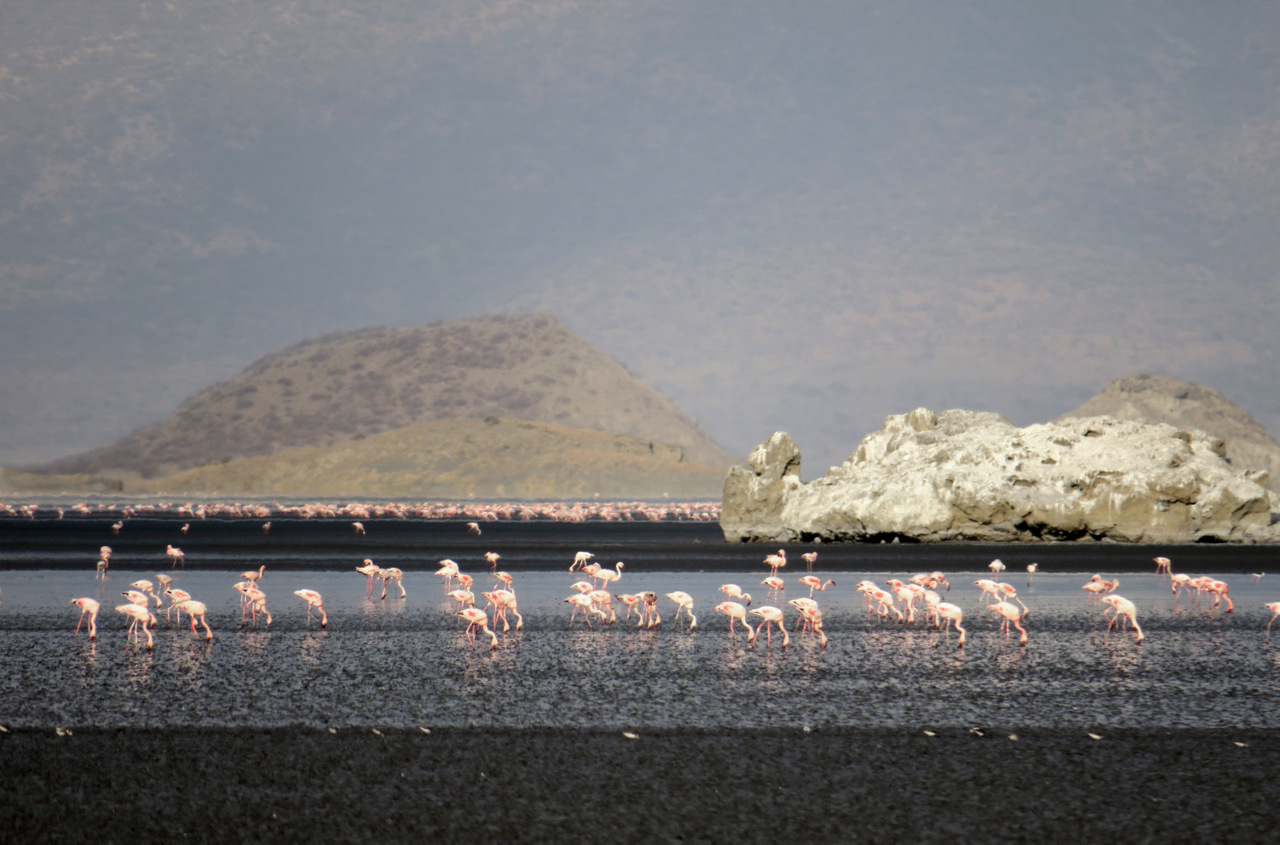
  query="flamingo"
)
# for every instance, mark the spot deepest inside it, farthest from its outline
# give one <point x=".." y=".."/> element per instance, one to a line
<point x="684" y="604"/>
<point x="176" y="554"/>
<point x="813" y="621"/>
<point x="137" y="597"/>
<point x="603" y="600"/>
<point x="814" y="583"/>
<point x="197" y="608"/>
<point x="473" y="528"/>
<point x="253" y="577"/>
<point x="165" y="583"/>
<point x="176" y="597"/>
<point x="1123" y="607"/>
<point x="476" y="617"/>
<point x="369" y="569"/>
<point x="1179" y="581"/>
<point x="116" y="526"/>
<point x="989" y="587"/>
<point x="503" y="578"/>
<point x="802" y="605"/>
<point x="1163" y="564"/>
<point x="502" y="601"/>
<point x="266" y="527"/>
<point x="1010" y="615"/>
<point x="776" y="562"/>
<point x="448" y="571"/>
<point x="737" y="612"/>
<point x="952" y="613"/>
<point x="632" y="601"/>
<point x="649" y="611"/>
<point x="733" y="591"/>
<point x="580" y="559"/>
<point x="139" y="616"/>
<point x="466" y="598"/>
<point x="1274" y="607"/>
<point x="1097" y="586"/>
<point x="774" y="583"/>
<point x="1219" y="590"/>
<point x="810" y="558"/>
<point x="186" y="526"/>
<point x="611" y="576"/>
<point x="358" y="526"/>
<point x="253" y="599"/>
<point x="103" y="563"/>
<point x="392" y="573"/>
<point x="492" y="557"/>
<point x="769" y="615"/>
<point x="89" y="607"/>
<point x="583" y="602"/>
<point x="316" y="601"/>
<point x="1032" y="569"/>
<point x="1007" y="590"/>
<point x="147" y="587"/>
<point x="996" y="566"/>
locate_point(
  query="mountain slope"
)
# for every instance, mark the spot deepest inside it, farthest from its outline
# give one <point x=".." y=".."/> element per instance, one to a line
<point x="351" y="385"/>
<point x="1149" y="397"/>
<point x="459" y="458"/>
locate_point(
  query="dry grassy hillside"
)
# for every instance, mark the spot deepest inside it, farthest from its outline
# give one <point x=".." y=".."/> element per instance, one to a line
<point x="347" y="386"/>
<point x="1149" y="397"/>
<point x="457" y="458"/>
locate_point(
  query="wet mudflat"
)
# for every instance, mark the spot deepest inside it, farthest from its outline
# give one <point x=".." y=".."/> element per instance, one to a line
<point x="388" y="722"/>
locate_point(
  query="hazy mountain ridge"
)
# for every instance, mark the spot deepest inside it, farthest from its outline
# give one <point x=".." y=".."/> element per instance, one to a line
<point x="805" y="218"/>
<point x="351" y="385"/>
<point x="1151" y="397"/>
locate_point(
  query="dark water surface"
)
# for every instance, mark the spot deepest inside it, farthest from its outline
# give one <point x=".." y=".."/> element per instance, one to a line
<point x="405" y="663"/>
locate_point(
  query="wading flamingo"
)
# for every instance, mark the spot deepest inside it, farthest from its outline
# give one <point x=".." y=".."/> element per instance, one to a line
<point x="733" y="591"/>
<point x="195" y="608"/>
<point x="1010" y="615"/>
<point x="493" y="558"/>
<point x="813" y="622"/>
<point x="684" y="604"/>
<point x="369" y="569"/>
<point x="649" y="611"/>
<point x="810" y="558"/>
<point x="1121" y="606"/>
<point x="89" y="607"/>
<point x="583" y="602"/>
<point x="358" y="526"/>
<point x="316" y="601"/>
<point x="814" y="583"/>
<point x="996" y="566"/>
<point x="737" y="612"/>
<point x="776" y="562"/>
<point x="473" y="528"/>
<point x="1274" y="607"/>
<point x="392" y="573"/>
<point x="769" y="615"/>
<point x="502" y="601"/>
<point x="952" y="613"/>
<point x="1032" y="569"/>
<point x="477" y="618"/>
<point x="580" y="559"/>
<point x="176" y="554"/>
<point x="253" y="577"/>
<point x="1164" y="565"/>
<point x="611" y="576"/>
<point x="139" y="616"/>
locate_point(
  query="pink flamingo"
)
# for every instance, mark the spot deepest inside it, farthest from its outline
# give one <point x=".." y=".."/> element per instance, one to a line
<point x="316" y="601"/>
<point x="502" y="601"/>
<point x="1163" y="564"/>
<point x="1097" y="586"/>
<point x="1274" y="607"/>
<point x="473" y="528"/>
<point x="737" y="612"/>
<point x="580" y="559"/>
<point x="1219" y="590"/>
<point x="813" y="621"/>
<point x="358" y="526"/>
<point x="493" y="558"/>
<point x="448" y="571"/>
<point x="253" y="577"/>
<point x="649" y="611"/>
<point x="465" y="598"/>
<point x="139" y="616"/>
<point x="776" y="562"/>
<point x="1010" y="615"/>
<point x="583" y="602"/>
<point x="369" y="569"/>
<point x="769" y="615"/>
<point x="684" y="604"/>
<point x="1123" y="607"/>
<point x="632" y="601"/>
<point x="89" y="607"/>
<point x="611" y="576"/>
<point x="477" y="618"/>
<point x="197" y="608"/>
<point x="810" y="558"/>
<point x="953" y="614"/>
<point x="814" y="583"/>
<point x="392" y="573"/>
<point x="733" y="591"/>
<point x="176" y="596"/>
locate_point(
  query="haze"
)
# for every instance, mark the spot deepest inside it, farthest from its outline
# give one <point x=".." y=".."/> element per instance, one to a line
<point x="784" y="216"/>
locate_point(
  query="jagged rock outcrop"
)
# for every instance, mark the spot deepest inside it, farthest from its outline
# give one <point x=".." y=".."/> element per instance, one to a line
<point x="965" y="475"/>
<point x="1150" y="397"/>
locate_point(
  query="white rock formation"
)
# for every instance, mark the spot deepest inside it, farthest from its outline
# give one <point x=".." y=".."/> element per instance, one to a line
<point x="964" y="475"/>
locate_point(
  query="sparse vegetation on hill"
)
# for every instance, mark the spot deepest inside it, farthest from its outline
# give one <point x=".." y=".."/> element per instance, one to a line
<point x="458" y="458"/>
<point x="344" y="387"/>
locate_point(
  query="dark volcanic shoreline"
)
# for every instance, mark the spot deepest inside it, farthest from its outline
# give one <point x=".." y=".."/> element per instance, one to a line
<point x="755" y="785"/>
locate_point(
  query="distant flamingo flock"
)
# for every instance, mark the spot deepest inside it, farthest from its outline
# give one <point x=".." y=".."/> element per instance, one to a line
<point x="591" y="598"/>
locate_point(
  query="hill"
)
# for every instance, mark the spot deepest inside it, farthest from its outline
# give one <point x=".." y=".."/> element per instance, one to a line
<point x="458" y="458"/>
<point x="347" y="386"/>
<point x="1149" y="397"/>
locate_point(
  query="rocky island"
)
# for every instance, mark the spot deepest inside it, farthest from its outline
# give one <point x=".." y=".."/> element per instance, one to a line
<point x="974" y="476"/>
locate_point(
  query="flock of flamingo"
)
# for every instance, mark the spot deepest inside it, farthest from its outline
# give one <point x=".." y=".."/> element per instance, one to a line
<point x="901" y="601"/>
